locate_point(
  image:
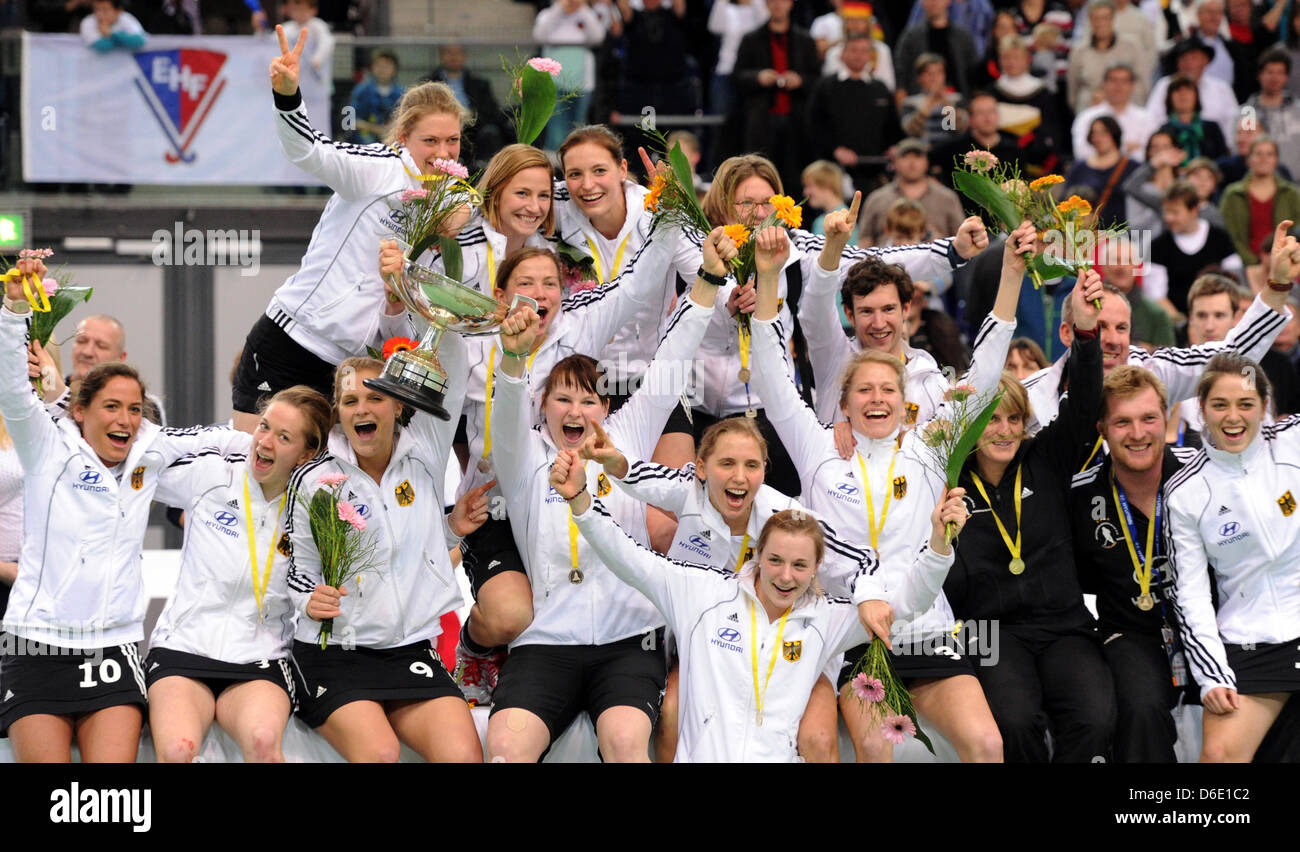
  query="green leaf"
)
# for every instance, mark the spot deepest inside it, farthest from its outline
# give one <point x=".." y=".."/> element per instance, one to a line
<point x="969" y="439"/>
<point x="452" y="263"/>
<point x="988" y="195"/>
<point x="538" y="102"/>
<point x="682" y="171"/>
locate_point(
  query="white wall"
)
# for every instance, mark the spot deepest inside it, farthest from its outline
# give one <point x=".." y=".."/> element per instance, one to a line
<point x="237" y="303"/>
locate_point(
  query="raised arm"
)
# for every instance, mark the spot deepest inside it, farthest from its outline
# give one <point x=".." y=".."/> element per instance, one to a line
<point x="513" y="449"/>
<point x="601" y="312"/>
<point x="33" y="432"/>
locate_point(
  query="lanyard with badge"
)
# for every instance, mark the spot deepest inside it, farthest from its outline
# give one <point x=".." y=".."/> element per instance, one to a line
<point x="259" y="588"/>
<point x="1016" y="565"/>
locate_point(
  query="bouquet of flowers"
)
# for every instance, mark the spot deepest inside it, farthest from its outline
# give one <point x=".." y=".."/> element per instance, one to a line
<point x="534" y="95"/>
<point x="425" y="211"/>
<point x="339" y="531"/>
<point x="51" y="300"/>
<point x="951" y="440"/>
<point x="877" y="686"/>
<point x="577" y="269"/>
<point x="672" y="190"/>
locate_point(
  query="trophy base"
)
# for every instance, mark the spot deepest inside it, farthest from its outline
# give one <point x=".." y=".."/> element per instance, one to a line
<point x="422" y="398"/>
<point x="414" y="378"/>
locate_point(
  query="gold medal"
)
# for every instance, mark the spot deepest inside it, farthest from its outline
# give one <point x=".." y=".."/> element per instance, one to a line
<point x="751" y="413"/>
<point x="1146" y="602"/>
<point x="575" y="576"/>
<point x="484" y="466"/>
<point x="743" y="375"/>
<point x="1017" y="566"/>
<point x="760" y="718"/>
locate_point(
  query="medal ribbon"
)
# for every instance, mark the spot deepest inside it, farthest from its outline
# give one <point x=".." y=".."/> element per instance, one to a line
<point x="573" y="541"/>
<point x="1126" y="524"/>
<point x="979" y="486"/>
<point x="618" y="259"/>
<point x="872" y="528"/>
<point x="259" y="589"/>
<point x="487" y="396"/>
<point x="753" y="655"/>
<point x="1096" y="448"/>
<point x="744" y="546"/>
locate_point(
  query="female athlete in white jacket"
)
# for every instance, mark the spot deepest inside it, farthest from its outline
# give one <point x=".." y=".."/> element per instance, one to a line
<point x="1232" y="510"/>
<point x="220" y="649"/>
<point x="380" y="681"/>
<point x="731" y="625"/>
<point x="329" y="309"/>
<point x="69" y="666"/>
<point x="890" y="483"/>
<point x="593" y="643"/>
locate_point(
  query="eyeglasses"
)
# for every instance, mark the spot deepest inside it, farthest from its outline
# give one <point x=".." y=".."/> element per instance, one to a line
<point x="748" y="207"/>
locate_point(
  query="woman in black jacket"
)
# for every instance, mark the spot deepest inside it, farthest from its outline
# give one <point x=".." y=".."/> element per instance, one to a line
<point x="1044" y="665"/>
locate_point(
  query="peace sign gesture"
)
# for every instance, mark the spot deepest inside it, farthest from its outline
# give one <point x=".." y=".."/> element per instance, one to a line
<point x="284" y="68"/>
<point x="838" y="227"/>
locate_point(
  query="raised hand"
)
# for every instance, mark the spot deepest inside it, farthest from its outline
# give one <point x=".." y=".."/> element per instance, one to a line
<point x="771" y="250"/>
<point x="1087" y="295"/>
<point x="947" y="520"/>
<point x="284" y="68"/>
<point x="599" y="447"/>
<point x="1285" y="264"/>
<point x="972" y="237"/>
<point x="568" y="474"/>
<point x="651" y="167"/>
<point x="719" y="251"/>
<point x="519" y="331"/>
<point x="471" y="510"/>
<point x="1020" y="244"/>
<point x="838" y="227"/>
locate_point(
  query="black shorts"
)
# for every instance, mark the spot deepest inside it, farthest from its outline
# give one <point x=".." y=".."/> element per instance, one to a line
<point x="781" y="472"/>
<point x="272" y="361"/>
<point x="1263" y="668"/>
<point x="326" y="680"/>
<point x="47" y="679"/>
<point x="215" y="674"/>
<point x="488" y="551"/>
<point x="924" y="659"/>
<point x="557" y="682"/>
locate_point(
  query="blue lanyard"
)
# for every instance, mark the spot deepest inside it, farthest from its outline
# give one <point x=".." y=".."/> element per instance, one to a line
<point x="1155" y="519"/>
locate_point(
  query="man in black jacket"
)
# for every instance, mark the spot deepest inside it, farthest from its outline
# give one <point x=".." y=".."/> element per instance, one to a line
<point x="776" y="66"/>
<point x="489" y="132"/>
<point x="851" y="116"/>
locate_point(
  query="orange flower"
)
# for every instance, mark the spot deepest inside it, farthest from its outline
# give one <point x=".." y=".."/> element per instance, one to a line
<point x="787" y="211"/>
<point x="656" y="190"/>
<point x="399" y="344"/>
<point x="1075" y="204"/>
<point x="739" y="234"/>
<point x="1045" y="181"/>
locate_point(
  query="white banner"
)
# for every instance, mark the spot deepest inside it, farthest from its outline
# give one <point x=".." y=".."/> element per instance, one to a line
<point x="184" y="110"/>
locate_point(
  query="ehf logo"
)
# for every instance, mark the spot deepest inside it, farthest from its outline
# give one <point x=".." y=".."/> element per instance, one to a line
<point x="180" y="86"/>
<point x="226" y="519"/>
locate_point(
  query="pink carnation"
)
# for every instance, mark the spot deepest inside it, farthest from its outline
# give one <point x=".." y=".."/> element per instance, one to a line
<point x="51" y="286"/>
<point x="329" y="480"/>
<point x="869" y="689"/>
<point x="349" y="513"/>
<point x="981" y="161"/>
<point x="550" y="66"/>
<point x="960" y="393"/>
<point x="897" y="728"/>
<point x="409" y="195"/>
<point x="451" y="168"/>
<point x="35" y="254"/>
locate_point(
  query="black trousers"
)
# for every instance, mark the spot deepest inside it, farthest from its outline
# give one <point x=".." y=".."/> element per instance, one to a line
<point x="1050" y="679"/>
<point x="1144" y="695"/>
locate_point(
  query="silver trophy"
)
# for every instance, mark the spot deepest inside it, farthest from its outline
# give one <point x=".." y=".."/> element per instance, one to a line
<point x="415" y="377"/>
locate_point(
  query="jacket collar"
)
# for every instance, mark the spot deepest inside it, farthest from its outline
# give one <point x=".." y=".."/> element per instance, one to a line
<point x="340" y="449"/>
<point x="1235" y="461"/>
<point x="576" y="228"/>
<point x="144" y="439"/>
<point x="804" y="608"/>
<point x="718" y="524"/>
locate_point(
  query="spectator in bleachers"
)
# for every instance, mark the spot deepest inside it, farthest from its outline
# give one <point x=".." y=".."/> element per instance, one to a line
<point x="858" y="21"/>
<point x="1048" y="27"/>
<point x="1277" y="112"/>
<point x="776" y="67"/>
<point x="1187" y="246"/>
<point x="1145" y="188"/>
<point x="1291" y="44"/>
<point x="1187" y="124"/>
<point x="374" y="98"/>
<point x="730" y="21"/>
<point x="1253" y="204"/>
<point x="986" y="72"/>
<point x="1104" y="170"/>
<point x="851" y="116"/>
<point x="567" y="31"/>
<point x="1190" y="58"/>
<point x="940" y="33"/>
<point x="936" y="111"/>
<point x="1131" y="21"/>
<point x="1150" y="326"/>
<point x="943" y="214"/>
<point x="974" y="17"/>
<point x="823" y="186"/>
<point x="489" y="131"/>
<point x="101" y="338"/>
<point x="693" y="152"/>
<point x="1034" y="118"/>
<point x="656" y="70"/>
<point x="1117" y="101"/>
<point x="1092" y="60"/>
<point x="1234" y="167"/>
<point x="108" y="27"/>
<point x="1209" y="29"/>
<point x="983" y="133"/>
<point x="301" y="15"/>
<point x="1024" y="358"/>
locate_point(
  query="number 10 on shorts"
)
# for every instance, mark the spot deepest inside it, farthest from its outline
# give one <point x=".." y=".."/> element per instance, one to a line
<point x="109" y="672"/>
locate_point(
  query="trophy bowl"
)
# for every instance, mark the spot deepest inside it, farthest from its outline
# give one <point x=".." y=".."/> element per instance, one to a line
<point x="416" y="377"/>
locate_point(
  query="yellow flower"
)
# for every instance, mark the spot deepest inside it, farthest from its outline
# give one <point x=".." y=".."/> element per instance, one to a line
<point x="739" y="234"/>
<point x="787" y="211"/>
<point x="1045" y="181"/>
<point x="656" y="190"/>
<point x="1074" y="204"/>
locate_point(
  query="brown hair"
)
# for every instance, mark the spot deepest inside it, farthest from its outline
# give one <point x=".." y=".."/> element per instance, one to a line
<point x="795" y="522"/>
<point x="870" y="356"/>
<point x="507" y="267"/>
<point x="99" y="376"/>
<point x="743" y="426"/>
<point x="1029" y="351"/>
<point x="905" y="217"/>
<point x="316" y="410"/>
<point x="1233" y="364"/>
<point x="719" y="202"/>
<point x="595" y="134"/>
<point x="422" y="100"/>
<point x="872" y="272"/>
<point x="1014" y="396"/>
<point x="501" y="169"/>
<point x="1128" y="380"/>
<point x="578" y="371"/>
<point x="1212" y="284"/>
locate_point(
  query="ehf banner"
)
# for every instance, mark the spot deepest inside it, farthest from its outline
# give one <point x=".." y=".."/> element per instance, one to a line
<point x="184" y="110"/>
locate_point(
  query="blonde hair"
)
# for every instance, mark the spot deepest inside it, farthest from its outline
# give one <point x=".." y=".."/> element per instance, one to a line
<point x="501" y="169"/>
<point x="719" y="202"/>
<point x="871" y="356"/>
<point x="1014" y="396"/>
<point x="742" y="426"/>
<point x="420" y="101"/>
<point x="1128" y="380"/>
<point x="825" y="174"/>
<point x="345" y="373"/>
